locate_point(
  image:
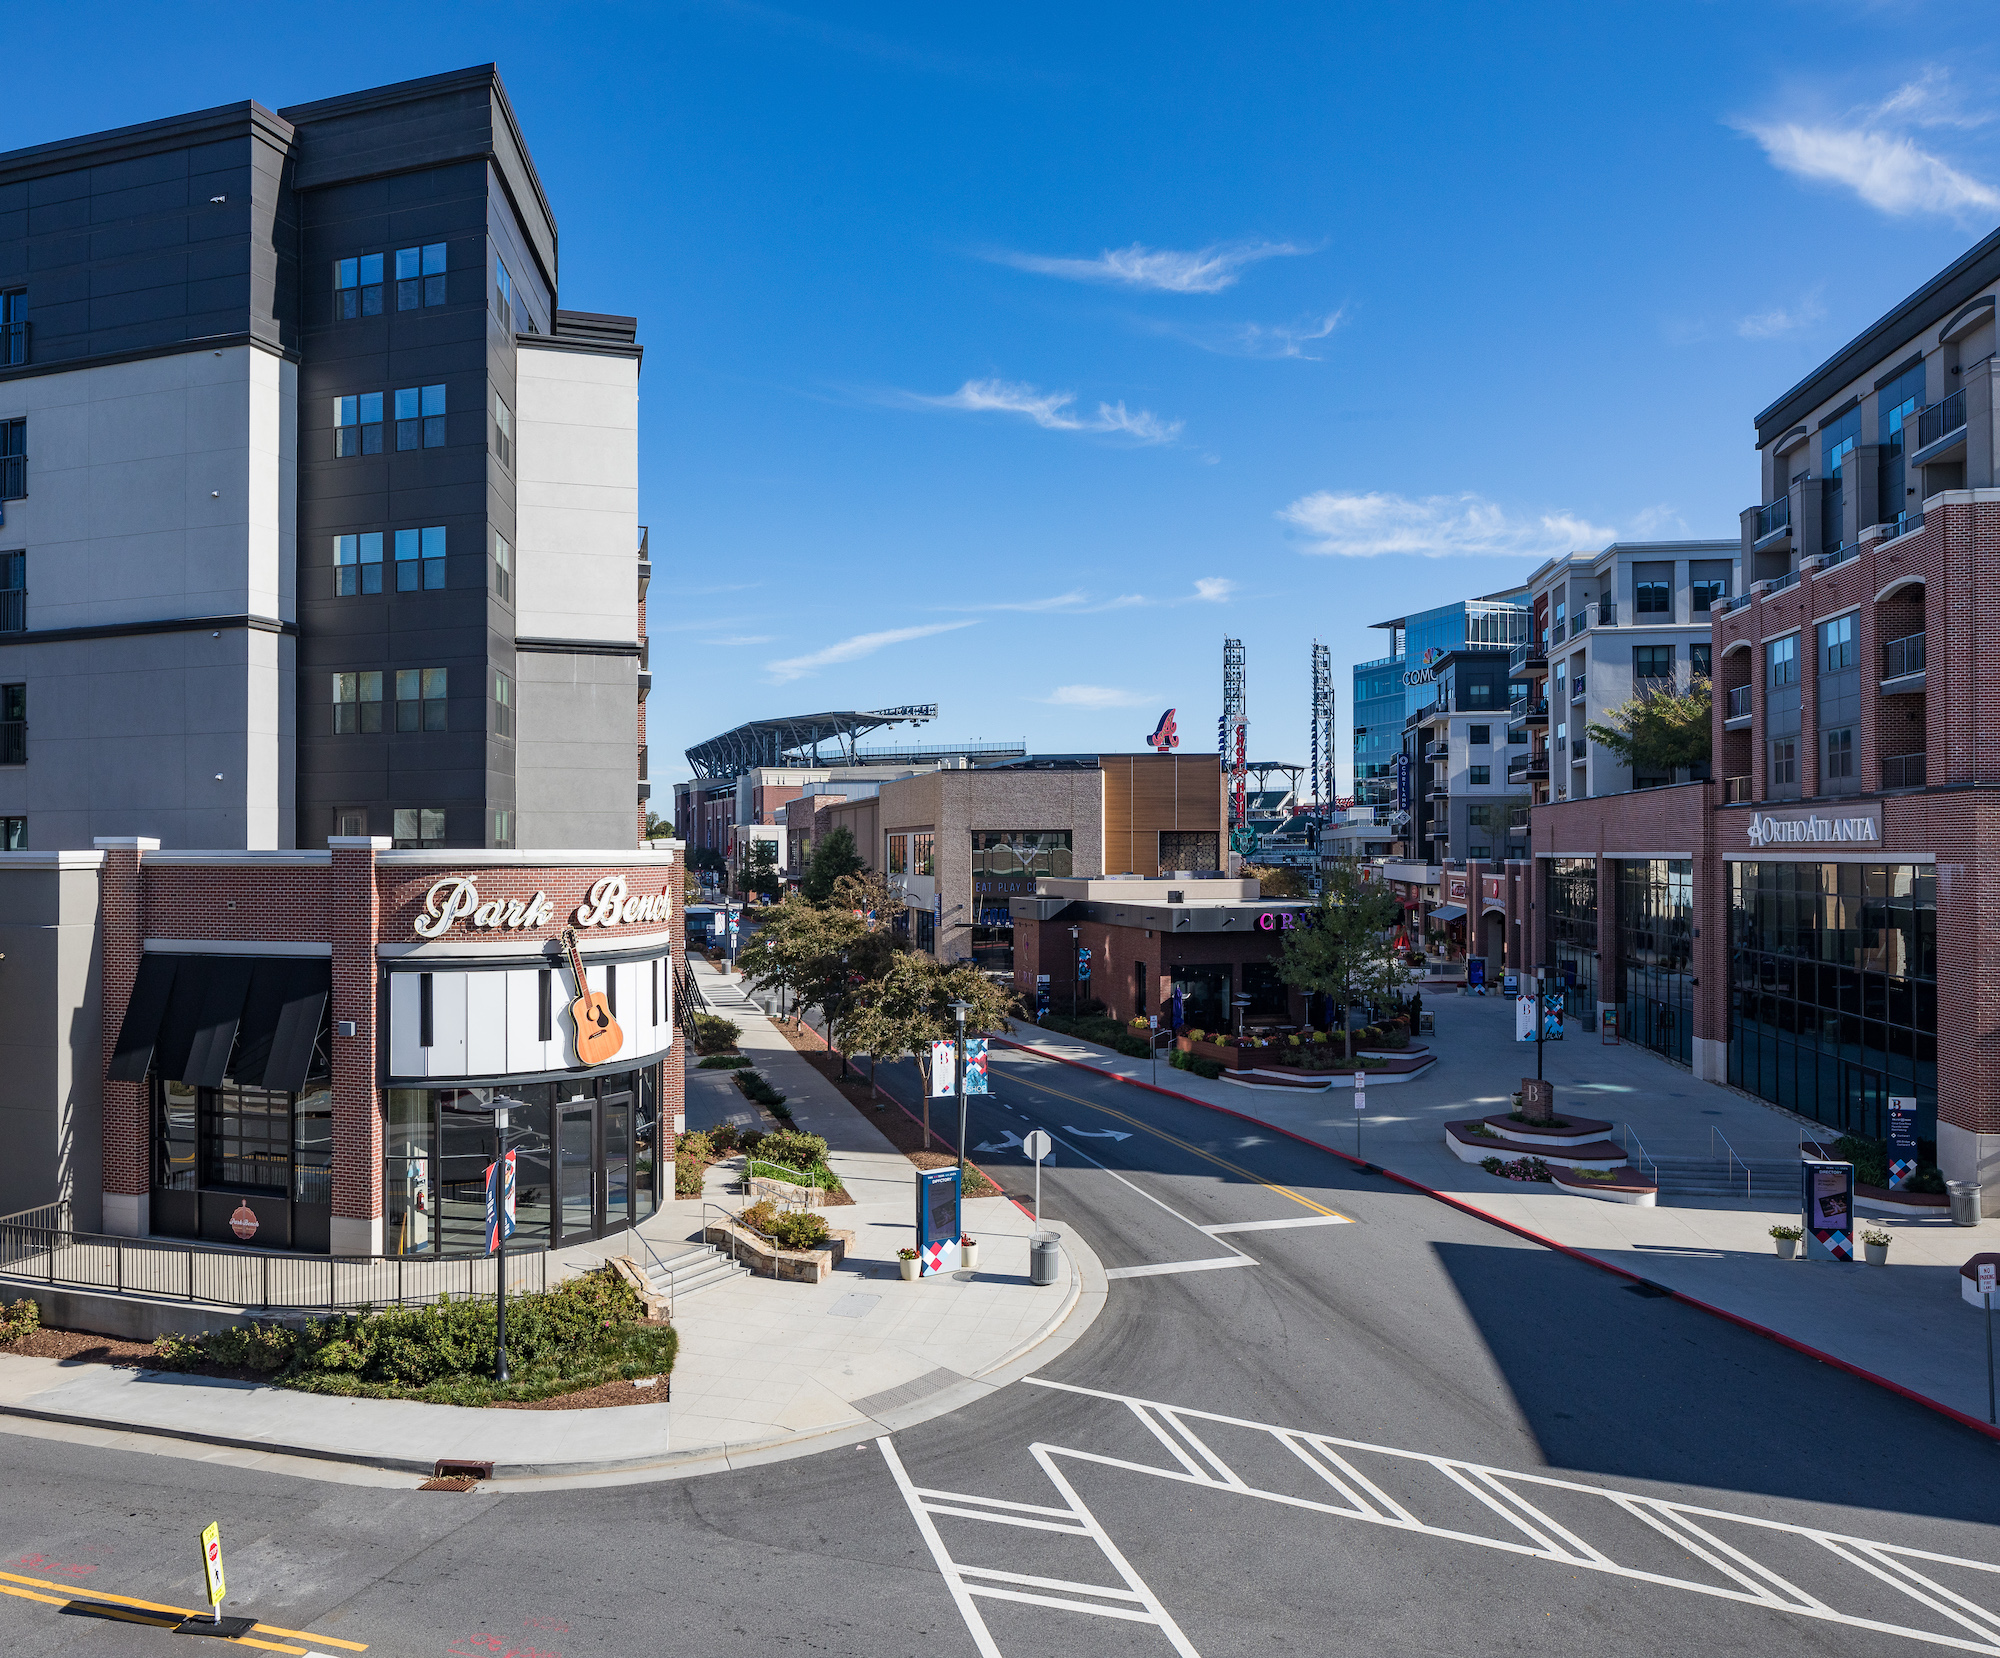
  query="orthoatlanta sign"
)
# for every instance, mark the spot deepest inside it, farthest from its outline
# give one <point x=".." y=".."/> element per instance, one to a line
<point x="1765" y="830"/>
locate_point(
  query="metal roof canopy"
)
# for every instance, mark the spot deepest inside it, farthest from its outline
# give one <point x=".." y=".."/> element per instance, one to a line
<point x="783" y="742"/>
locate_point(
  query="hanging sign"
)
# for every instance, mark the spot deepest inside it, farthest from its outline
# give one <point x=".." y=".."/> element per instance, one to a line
<point x="244" y="1222"/>
<point x="944" y="1069"/>
<point x="500" y="1201"/>
<point x="975" y="1066"/>
<point x="1902" y="1141"/>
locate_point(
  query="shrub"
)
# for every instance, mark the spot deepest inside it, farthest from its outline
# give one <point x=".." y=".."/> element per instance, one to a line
<point x="756" y="1088"/>
<point x="1200" y="1067"/>
<point x="1522" y="1168"/>
<point x="21" y="1319"/>
<point x="800" y="1229"/>
<point x="721" y="1139"/>
<point x="748" y="1139"/>
<point x="1788" y="1234"/>
<point x="794" y="1148"/>
<point x="725" y="1062"/>
<point x="760" y="1217"/>
<point x="689" y="1175"/>
<point x="1881" y="1240"/>
<point x="698" y="1145"/>
<point x="712" y="1033"/>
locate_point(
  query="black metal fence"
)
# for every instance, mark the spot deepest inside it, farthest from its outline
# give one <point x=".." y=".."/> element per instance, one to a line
<point x="41" y="1246"/>
<point x="1945" y="415"/>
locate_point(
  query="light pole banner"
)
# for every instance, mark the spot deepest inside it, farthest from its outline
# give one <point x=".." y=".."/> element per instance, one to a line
<point x="944" y="1069"/>
<point x="1524" y="1016"/>
<point x="975" y="1065"/>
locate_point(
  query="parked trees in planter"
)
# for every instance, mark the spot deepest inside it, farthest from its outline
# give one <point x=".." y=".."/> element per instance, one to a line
<point x="1343" y="948"/>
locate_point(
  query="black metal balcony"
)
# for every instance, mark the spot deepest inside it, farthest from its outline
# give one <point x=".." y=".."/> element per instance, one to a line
<point x="1735" y="789"/>
<point x="1942" y="418"/>
<point x="1774" y="516"/>
<point x="1739" y="702"/>
<point x="13" y="742"/>
<point x="13" y="611"/>
<point x="1903" y="771"/>
<point x="1527" y="768"/>
<point x="1903" y="658"/>
<point x="13" y="344"/>
<point x="1528" y="657"/>
<point x="13" y="475"/>
<point x="1528" y="711"/>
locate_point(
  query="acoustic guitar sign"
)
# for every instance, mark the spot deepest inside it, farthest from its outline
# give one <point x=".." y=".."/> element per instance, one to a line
<point x="598" y="1037"/>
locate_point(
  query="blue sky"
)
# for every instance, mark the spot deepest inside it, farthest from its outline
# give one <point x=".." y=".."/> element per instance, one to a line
<point x="1009" y="358"/>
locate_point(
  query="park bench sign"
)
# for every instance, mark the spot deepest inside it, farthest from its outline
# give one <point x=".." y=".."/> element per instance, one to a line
<point x="610" y="904"/>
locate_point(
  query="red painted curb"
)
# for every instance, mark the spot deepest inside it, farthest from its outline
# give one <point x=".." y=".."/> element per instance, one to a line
<point x="1519" y="1231"/>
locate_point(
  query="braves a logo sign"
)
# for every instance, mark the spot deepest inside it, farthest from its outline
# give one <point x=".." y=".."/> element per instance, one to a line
<point x="1164" y="737"/>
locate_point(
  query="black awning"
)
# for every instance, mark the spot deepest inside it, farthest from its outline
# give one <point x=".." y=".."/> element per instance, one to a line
<point x="281" y="1023"/>
<point x="189" y="1014"/>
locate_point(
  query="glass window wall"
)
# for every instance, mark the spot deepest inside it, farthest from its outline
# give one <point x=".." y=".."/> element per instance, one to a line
<point x="1656" y="955"/>
<point x="1573" y="935"/>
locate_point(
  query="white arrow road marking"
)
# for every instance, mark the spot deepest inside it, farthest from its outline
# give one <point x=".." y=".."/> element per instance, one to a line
<point x="1095" y="1133"/>
<point x="1008" y="1141"/>
<point x="1161" y="1268"/>
<point x="1276" y="1225"/>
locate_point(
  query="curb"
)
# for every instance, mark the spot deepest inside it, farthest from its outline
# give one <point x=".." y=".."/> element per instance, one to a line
<point x="1783" y="1340"/>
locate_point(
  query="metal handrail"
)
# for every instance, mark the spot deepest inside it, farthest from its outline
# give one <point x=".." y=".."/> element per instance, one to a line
<point x="1904" y="771"/>
<point x="1945" y="415"/>
<point x="666" y="1283"/>
<point x="1903" y="656"/>
<point x="1729" y="1168"/>
<point x="1631" y="1140"/>
<point x="728" y="1219"/>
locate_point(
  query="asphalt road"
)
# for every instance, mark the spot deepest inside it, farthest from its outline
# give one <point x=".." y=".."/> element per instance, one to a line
<point x="1436" y="1438"/>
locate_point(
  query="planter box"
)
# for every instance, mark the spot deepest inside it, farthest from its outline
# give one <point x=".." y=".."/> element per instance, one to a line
<point x="1539" y="1137"/>
<point x="799" y="1266"/>
<point x="1469" y="1146"/>
<point x="1879" y="1200"/>
<point x="1625" y="1186"/>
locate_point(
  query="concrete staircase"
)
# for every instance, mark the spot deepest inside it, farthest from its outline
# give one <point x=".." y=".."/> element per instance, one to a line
<point x="1769" y="1177"/>
<point x="688" y="1269"/>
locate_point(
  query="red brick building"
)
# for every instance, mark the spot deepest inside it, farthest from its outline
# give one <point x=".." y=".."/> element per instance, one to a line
<point x="306" y="1050"/>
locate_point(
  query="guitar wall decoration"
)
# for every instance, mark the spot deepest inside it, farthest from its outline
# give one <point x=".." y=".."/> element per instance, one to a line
<point x="598" y="1037"/>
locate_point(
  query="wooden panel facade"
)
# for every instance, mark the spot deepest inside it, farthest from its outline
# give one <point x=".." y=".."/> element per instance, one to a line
<point x="1148" y="795"/>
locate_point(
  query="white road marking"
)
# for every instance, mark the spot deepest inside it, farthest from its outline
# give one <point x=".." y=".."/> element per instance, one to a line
<point x="1333" y="1460"/>
<point x="1095" y="1133"/>
<point x="1276" y="1225"/>
<point x="1159" y="1269"/>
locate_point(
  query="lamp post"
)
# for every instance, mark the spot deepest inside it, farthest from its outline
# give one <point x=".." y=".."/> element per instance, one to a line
<point x="959" y="1010"/>
<point x="500" y="1239"/>
<point x="1075" y="933"/>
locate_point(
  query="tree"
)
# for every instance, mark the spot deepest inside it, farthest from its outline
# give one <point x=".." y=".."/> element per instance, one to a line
<point x="1342" y="948"/>
<point x="899" y="1014"/>
<point x="833" y="857"/>
<point x="1661" y="730"/>
<point x="1278" y="880"/>
<point x="760" y="875"/>
<point x="798" y="947"/>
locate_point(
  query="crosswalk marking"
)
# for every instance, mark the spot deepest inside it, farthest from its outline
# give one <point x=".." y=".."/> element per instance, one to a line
<point x="1158" y="1269"/>
<point x="1277" y="1225"/>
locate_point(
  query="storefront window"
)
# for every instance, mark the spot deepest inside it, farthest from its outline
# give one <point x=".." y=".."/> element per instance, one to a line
<point x="899" y="854"/>
<point x="246" y="1140"/>
<point x="1205" y="997"/>
<point x="176" y="1140"/>
<point x="1656" y="955"/>
<point x="1833" y="990"/>
<point x="409" y="1174"/>
<point x="646" y="1145"/>
<point x="1573" y="935"/>
<point x="1265" y="995"/>
<point x="921" y="860"/>
<point x="312" y="1147"/>
<point x="1020" y="852"/>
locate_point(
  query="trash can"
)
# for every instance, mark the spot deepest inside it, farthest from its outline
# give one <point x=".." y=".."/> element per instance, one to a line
<point x="1044" y="1257"/>
<point x="1964" y="1202"/>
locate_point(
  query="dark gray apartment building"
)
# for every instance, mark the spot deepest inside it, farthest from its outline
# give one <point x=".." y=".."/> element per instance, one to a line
<point x="318" y="515"/>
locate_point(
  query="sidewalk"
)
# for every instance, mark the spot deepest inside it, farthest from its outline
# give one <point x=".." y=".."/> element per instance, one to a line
<point x="766" y="1369"/>
<point x="1904" y="1322"/>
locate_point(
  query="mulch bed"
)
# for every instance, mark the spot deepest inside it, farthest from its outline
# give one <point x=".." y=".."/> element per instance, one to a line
<point x="597" y="1398"/>
<point x="80" y="1346"/>
<point x="901" y="1130"/>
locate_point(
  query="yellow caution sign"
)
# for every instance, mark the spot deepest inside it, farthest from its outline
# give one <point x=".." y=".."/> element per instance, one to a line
<point x="211" y="1561"/>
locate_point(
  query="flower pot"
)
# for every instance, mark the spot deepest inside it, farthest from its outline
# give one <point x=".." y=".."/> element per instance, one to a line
<point x="1878" y="1254"/>
<point x="909" y="1270"/>
<point x="968" y="1255"/>
<point x="1787" y="1247"/>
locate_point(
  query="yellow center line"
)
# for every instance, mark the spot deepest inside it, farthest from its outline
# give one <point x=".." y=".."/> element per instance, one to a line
<point x="1197" y="1151"/>
<point x="71" y="1593"/>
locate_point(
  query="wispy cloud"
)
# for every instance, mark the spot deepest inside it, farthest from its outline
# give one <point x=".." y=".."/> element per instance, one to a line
<point x="852" y="650"/>
<point x="1434" y="526"/>
<point x="1870" y="151"/>
<point x="1267" y="340"/>
<point x="741" y="639"/>
<point x="1782" y="319"/>
<point x="1204" y="271"/>
<point x="1054" y="411"/>
<point x="1207" y="590"/>
<point x="1213" y="589"/>
<point x="1095" y="696"/>
<point x="1653" y="523"/>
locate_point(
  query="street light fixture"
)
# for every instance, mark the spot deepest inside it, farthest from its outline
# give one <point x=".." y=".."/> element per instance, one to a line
<point x="500" y="1117"/>
<point x="959" y="1010"/>
<point x="1075" y="933"/>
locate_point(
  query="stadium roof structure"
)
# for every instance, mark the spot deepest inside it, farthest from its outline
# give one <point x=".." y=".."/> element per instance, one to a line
<point x="795" y="739"/>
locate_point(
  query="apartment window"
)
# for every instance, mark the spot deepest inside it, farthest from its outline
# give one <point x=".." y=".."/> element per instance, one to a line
<point x="13" y="327"/>
<point x="503" y="431"/>
<point x="13" y="592"/>
<point x="350" y="821"/>
<point x="503" y="567"/>
<point x="420" y="417"/>
<point x="921" y="860"/>
<point x="419" y="826"/>
<point x="1707" y="595"/>
<point x="1837" y="645"/>
<point x="1781" y="661"/>
<point x="503" y="830"/>
<point x="13" y="725"/>
<point x="1836" y="766"/>
<point x="1836" y="442"/>
<point x="1479" y="736"/>
<point x="1895" y="402"/>
<point x="1701" y="659"/>
<point x="1479" y="693"/>
<point x="503" y="295"/>
<point x="1784" y="765"/>
<point x="419" y="276"/>
<point x="13" y="834"/>
<point x="1652" y="662"/>
<point x="420" y="559"/>
<point x="420" y="699"/>
<point x="1479" y="776"/>
<point x="357" y="707"/>
<point x="357" y="287"/>
<point x="13" y="460"/>
<point x="357" y="424"/>
<point x="899" y="854"/>
<point x="503" y="705"/>
<point x="1480" y="852"/>
<point x="357" y="564"/>
<point x="1653" y="597"/>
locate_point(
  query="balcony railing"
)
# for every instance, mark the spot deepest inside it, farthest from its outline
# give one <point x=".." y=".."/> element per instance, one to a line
<point x="1904" y="523"/>
<point x="1777" y="584"/>
<point x="1774" y="516"/>
<point x="13" y="343"/>
<point x="13" y="742"/>
<point x="1903" y="771"/>
<point x="1739" y="702"/>
<point x="1836" y="555"/>
<point x="13" y="477"/>
<point x="1603" y="615"/>
<point x="1578" y="748"/>
<point x="13" y="611"/>
<point x="1903" y="657"/>
<point x="1527" y="655"/>
<point x="1532" y="710"/>
<point x="1724" y="607"/>
<point x="1576" y="689"/>
<point x="1735" y="789"/>
<point x="1517" y="821"/>
<point x="1941" y="418"/>
<point x="1526" y="766"/>
<point x="642" y="762"/>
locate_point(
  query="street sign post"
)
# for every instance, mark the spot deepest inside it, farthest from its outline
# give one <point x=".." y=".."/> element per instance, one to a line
<point x="1037" y="1146"/>
<point x="1153" y="1043"/>
<point x="1986" y="1288"/>
<point x="211" y="1568"/>
<point x="1360" y="1105"/>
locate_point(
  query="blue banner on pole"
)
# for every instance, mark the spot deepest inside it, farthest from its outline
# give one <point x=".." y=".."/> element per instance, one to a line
<point x="500" y="1201"/>
<point x="975" y="1065"/>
